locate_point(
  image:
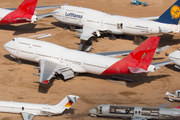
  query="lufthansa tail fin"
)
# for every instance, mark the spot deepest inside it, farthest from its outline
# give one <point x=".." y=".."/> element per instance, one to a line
<point x="27" y="8"/>
<point x="142" y="56"/>
<point x="66" y="103"/>
<point x="172" y="15"/>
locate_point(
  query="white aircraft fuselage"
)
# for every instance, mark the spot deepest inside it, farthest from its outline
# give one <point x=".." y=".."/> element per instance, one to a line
<point x="29" y="110"/>
<point x="78" y="61"/>
<point x="114" y="24"/>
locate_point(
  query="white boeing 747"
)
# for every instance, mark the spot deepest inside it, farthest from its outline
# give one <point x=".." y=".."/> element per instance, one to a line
<point x="94" y="22"/>
<point x="55" y="60"/>
<point x="29" y="110"/>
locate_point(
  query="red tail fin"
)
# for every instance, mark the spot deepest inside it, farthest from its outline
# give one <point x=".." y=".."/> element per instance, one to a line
<point x="144" y="53"/>
<point x="137" y="61"/>
<point x="27" y="7"/>
<point x="22" y="14"/>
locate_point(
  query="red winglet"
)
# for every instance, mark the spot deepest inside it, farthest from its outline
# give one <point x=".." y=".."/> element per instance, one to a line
<point x="45" y="82"/>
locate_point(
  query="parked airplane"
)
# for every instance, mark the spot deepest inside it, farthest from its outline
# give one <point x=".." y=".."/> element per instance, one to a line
<point x="175" y="57"/>
<point x="175" y="96"/>
<point x="94" y="22"/>
<point x="135" y="112"/>
<point x="24" y="13"/>
<point x="59" y="61"/>
<point x="29" y="110"/>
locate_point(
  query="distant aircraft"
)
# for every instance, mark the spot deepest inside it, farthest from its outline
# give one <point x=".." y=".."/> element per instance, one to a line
<point x="175" y="57"/>
<point x="135" y="112"/>
<point x="29" y="110"/>
<point x="58" y="61"/>
<point x="24" y="13"/>
<point x="94" y="22"/>
<point x="175" y="96"/>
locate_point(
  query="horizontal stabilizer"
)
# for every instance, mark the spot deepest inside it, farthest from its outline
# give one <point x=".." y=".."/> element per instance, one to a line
<point x="45" y="15"/>
<point x="136" y="70"/>
<point x="159" y="64"/>
<point x="162" y="106"/>
<point x="158" y="50"/>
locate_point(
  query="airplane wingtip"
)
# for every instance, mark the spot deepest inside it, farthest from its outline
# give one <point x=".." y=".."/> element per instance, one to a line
<point x="45" y="81"/>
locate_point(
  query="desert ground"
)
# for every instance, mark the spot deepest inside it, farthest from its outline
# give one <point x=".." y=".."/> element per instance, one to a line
<point x="17" y="82"/>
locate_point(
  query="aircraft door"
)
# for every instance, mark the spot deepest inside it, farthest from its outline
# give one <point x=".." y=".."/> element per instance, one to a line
<point x="118" y="69"/>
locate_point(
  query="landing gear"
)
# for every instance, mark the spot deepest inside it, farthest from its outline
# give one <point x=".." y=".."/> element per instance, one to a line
<point x="59" y="76"/>
<point x="138" y="40"/>
<point x="65" y="27"/>
<point x="72" y="28"/>
<point x="85" y="45"/>
<point x="19" y="62"/>
<point x="112" y="37"/>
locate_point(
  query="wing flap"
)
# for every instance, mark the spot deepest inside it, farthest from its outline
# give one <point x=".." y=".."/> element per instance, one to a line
<point x="27" y="116"/>
<point x="48" y="69"/>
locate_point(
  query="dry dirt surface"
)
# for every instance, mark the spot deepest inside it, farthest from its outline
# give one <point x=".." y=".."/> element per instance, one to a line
<point x="19" y="84"/>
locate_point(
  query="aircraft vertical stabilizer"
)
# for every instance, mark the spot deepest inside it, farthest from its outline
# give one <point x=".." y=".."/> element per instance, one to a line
<point x="66" y="103"/>
<point x="27" y="7"/>
<point x="142" y="56"/>
<point x="172" y="15"/>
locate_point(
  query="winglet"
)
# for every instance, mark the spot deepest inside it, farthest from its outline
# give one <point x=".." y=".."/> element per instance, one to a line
<point x="45" y="81"/>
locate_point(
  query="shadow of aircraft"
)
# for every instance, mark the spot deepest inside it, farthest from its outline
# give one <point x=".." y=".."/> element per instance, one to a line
<point x="172" y="67"/>
<point x="25" y="28"/>
<point x="22" y="60"/>
<point x="138" y="79"/>
<point x="167" y="39"/>
<point x="44" y="88"/>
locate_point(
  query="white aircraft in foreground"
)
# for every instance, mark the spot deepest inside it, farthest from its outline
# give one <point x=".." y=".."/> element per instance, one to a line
<point x="29" y="110"/>
<point x="58" y="61"/>
<point x="94" y="22"/>
<point x="24" y="13"/>
<point x="175" y="57"/>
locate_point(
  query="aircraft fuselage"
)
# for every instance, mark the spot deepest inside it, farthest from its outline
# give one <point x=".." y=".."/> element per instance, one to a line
<point x="110" y="23"/>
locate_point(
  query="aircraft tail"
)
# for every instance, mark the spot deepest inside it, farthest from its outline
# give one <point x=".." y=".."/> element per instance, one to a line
<point x="142" y="56"/>
<point x="65" y="103"/>
<point x="27" y="7"/>
<point x="172" y="15"/>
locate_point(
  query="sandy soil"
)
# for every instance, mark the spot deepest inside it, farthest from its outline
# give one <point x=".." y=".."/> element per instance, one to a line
<point x="19" y="84"/>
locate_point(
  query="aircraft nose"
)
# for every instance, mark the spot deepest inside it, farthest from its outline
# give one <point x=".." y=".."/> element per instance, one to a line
<point x="174" y="55"/>
<point x="92" y="111"/>
<point x="7" y="45"/>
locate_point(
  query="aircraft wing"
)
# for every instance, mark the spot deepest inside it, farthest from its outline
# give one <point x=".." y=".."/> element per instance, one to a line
<point x="39" y="7"/>
<point x="27" y="116"/>
<point x="88" y="30"/>
<point x="48" y="69"/>
<point x="150" y="18"/>
<point x="138" y="118"/>
<point x="159" y="64"/>
<point x="126" y="52"/>
<point x="115" y="53"/>
<point x="44" y="15"/>
<point x="162" y="106"/>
